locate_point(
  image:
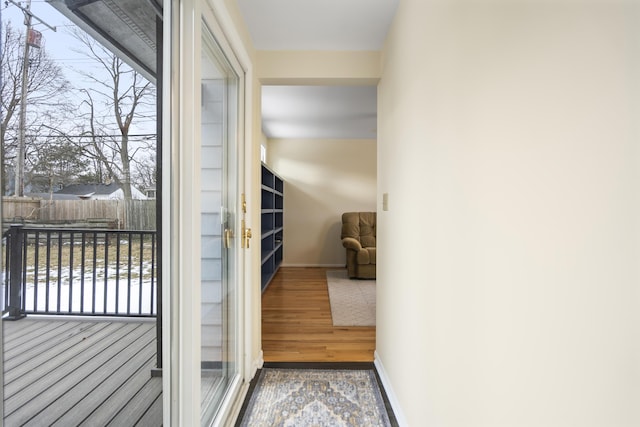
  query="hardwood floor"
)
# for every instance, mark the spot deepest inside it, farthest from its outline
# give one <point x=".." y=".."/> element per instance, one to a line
<point x="296" y="322"/>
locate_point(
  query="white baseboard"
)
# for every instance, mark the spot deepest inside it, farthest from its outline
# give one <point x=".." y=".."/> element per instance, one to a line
<point x="315" y="265"/>
<point x="257" y="364"/>
<point x="393" y="400"/>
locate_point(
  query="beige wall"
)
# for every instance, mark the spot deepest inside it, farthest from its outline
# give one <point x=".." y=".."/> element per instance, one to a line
<point x="318" y="67"/>
<point x="508" y="279"/>
<point x="323" y="179"/>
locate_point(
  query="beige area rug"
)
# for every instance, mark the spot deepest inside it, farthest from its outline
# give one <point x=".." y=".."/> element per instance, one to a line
<point x="353" y="302"/>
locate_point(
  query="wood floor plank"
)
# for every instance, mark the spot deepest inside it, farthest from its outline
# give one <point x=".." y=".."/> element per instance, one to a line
<point x="297" y="324"/>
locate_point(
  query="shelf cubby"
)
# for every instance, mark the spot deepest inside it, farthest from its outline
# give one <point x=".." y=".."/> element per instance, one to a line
<point x="272" y="218"/>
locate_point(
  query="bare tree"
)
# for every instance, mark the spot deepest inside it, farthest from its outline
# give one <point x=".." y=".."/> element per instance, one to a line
<point x="47" y="90"/>
<point x="116" y="100"/>
<point x="56" y="162"/>
<point x="146" y="172"/>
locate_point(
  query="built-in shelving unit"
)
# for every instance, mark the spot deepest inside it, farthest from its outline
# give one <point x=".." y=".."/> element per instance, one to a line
<point x="272" y="224"/>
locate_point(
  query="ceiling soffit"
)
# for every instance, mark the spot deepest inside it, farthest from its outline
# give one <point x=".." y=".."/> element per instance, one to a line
<point x="128" y="27"/>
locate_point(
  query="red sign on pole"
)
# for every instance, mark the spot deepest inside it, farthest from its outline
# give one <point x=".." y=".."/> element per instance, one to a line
<point x="34" y="38"/>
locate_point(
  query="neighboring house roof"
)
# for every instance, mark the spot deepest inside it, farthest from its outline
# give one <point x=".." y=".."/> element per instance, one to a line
<point x="53" y="196"/>
<point x="97" y="191"/>
<point x="89" y="189"/>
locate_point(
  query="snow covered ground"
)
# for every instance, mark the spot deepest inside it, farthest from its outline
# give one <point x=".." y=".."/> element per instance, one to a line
<point x="115" y="294"/>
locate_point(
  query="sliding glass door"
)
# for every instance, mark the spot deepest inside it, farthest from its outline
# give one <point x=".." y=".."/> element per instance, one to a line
<point x="219" y="190"/>
<point x="205" y="261"/>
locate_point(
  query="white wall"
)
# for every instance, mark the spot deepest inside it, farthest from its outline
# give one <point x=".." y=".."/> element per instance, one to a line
<point x="508" y="279"/>
<point x="323" y="179"/>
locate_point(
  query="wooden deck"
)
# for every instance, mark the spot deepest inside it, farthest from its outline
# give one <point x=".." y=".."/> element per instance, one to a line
<point x="80" y="372"/>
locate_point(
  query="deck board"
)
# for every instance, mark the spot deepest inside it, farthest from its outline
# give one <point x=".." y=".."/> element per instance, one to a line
<point x="34" y="343"/>
<point x="64" y="392"/>
<point x="56" y="365"/>
<point x="50" y="355"/>
<point x="102" y="383"/>
<point x="153" y="416"/>
<point x="103" y="394"/>
<point x="70" y="372"/>
<point x="137" y="405"/>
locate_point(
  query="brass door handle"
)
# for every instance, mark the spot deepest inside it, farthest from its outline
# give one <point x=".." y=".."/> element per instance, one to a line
<point x="227" y="238"/>
<point x="246" y="237"/>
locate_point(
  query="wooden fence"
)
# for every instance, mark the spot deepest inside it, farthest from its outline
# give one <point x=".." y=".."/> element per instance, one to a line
<point x="132" y="215"/>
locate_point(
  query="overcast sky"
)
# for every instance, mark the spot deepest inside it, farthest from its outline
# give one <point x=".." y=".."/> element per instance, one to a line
<point x="59" y="44"/>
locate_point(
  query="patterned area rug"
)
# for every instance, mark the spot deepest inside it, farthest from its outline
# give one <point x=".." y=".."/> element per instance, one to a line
<point x="353" y="302"/>
<point x="316" y="397"/>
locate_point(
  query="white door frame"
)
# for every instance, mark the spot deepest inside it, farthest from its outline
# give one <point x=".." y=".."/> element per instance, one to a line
<point x="182" y="27"/>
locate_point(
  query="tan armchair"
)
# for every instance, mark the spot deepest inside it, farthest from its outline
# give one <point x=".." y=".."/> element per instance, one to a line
<point x="359" y="238"/>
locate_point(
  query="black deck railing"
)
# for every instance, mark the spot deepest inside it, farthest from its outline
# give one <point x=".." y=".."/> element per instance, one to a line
<point x="87" y="272"/>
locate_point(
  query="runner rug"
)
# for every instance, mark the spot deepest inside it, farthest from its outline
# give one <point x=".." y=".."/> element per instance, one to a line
<point x="315" y="397"/>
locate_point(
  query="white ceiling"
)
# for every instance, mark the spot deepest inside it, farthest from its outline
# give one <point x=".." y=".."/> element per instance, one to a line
<point x="321" y="111"/>
<point x="326" y="112"/>
<point x="318" y="24"/>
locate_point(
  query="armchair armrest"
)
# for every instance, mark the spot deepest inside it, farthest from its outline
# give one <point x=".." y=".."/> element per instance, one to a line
<point x="351" y="243"/>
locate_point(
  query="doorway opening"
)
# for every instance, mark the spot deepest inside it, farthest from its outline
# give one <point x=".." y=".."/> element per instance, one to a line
<point x="321" y="142"/>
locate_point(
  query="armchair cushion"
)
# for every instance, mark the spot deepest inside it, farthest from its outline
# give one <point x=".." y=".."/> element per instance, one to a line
<point x="366" y="256"/>
<point x="351" y="243"/>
